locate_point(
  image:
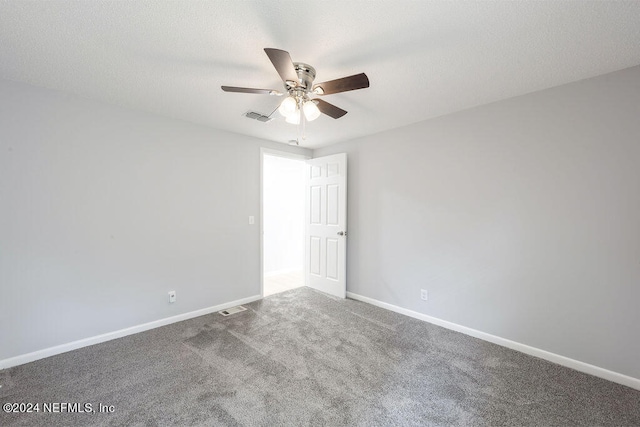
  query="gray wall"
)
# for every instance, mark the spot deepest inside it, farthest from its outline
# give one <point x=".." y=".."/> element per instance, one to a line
<point x="521" y="218"/>
<point x="103" y="210"/>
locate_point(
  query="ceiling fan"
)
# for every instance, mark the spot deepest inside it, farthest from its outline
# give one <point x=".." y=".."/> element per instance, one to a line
<point x="298" y="78"/>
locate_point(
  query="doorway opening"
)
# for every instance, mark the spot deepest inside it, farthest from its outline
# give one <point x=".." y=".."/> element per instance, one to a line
<point x="283" y="213"/>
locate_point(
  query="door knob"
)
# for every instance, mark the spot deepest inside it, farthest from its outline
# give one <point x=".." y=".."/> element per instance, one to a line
<point x="342" y="233"/>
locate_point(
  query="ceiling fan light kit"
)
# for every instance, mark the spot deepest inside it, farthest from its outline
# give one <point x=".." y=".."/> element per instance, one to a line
<point x="288" y="106"/>
<point x="294" y="118"/>
<point x="311" y="110"/>
<point x="290" y="109"/>
<point x="297" y="77"/>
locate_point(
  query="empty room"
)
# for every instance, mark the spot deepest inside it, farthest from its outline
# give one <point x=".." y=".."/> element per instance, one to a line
<point x="319" y="213"/>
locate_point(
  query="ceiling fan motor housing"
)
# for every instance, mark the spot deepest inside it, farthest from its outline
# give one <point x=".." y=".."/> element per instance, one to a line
<point x="306" y="75"/>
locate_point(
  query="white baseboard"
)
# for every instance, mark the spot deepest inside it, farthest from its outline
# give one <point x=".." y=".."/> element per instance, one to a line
<point x="523" y="348"/>
<point x="543" y="354"/>
<point x="63" y="348"/>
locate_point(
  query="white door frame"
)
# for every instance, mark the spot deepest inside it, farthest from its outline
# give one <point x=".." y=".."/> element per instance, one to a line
<point x="288" y="155"/>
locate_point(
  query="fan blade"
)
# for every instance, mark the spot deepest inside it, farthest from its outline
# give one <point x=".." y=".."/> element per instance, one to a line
<point x="358" y="81"/>
<point x="284" y="66"/>
<point x="250" y="90"/>
<point x="329" y="109"/>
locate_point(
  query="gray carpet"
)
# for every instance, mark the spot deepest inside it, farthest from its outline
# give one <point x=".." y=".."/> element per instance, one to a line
<point x="303" y="358"/>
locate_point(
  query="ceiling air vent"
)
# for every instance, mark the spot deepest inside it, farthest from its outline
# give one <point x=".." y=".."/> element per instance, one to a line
<point x="257" y="116"/>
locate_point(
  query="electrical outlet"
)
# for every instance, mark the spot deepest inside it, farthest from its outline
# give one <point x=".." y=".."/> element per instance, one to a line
<point x="424" y="295"/>
<point x="172" y="296"/>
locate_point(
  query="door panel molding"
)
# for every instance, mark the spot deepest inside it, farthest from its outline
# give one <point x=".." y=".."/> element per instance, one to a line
<point x="326" y="224"/>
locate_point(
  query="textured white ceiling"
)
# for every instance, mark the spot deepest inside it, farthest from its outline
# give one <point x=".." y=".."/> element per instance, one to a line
<point x="423" y="59"/>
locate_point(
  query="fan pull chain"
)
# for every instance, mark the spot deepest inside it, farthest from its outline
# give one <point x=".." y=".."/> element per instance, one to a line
<point x="301" y="122"/>
<point x="303" y="119"/>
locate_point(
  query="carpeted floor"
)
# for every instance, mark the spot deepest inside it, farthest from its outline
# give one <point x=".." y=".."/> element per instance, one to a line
<point x="304" y="358"/>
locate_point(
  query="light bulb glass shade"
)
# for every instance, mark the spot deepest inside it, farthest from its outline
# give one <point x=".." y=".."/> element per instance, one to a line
<point x="311" y="111"/>
<point x="294" y="118"/>
<point x="288" y="106"/>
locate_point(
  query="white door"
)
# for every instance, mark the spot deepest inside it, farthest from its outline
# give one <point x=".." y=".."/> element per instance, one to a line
<point x="326" y="224"/>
